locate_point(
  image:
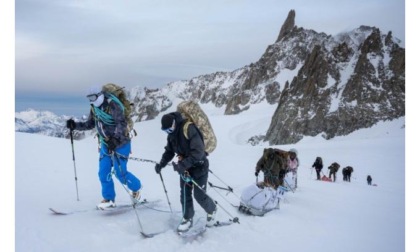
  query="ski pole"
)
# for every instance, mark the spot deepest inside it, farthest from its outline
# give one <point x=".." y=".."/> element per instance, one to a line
<point x="132" y="199"/>
<point x="161" y="178"/>
<point x="166" y="192"/>
<point x="74" y="164"/>
<point x="234" y="219"/>
<point x="288" y="185"/>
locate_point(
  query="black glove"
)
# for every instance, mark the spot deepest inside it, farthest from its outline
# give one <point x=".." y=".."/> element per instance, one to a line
<point x="256" y="173"/>
<point x="158" y="168"/>
<point x="71" y="124"/>
<point x="112" y="144"/>
<point x="180" y="168"/>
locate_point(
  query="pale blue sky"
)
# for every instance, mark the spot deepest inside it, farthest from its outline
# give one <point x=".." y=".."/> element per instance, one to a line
<point x="67" y="46"/>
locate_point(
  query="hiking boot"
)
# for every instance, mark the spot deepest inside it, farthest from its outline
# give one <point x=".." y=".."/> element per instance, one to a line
<point x="211" y="218"/>
<point x="136" y="195"/>
<point x="106" y="204"/>
<point x="185" y="225"/>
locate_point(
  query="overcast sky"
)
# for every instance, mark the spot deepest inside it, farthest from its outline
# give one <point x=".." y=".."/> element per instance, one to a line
<point x="67" y="46"/>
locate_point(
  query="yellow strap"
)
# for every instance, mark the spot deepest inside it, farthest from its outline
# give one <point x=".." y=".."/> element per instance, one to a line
<point x="185" y="128"/>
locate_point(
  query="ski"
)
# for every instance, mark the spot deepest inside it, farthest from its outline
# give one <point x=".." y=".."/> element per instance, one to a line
<point x="151" y="235"/>
<point x="120" y="206"/>
<point x="222" y="223"/>
<point x="195" y="232"/>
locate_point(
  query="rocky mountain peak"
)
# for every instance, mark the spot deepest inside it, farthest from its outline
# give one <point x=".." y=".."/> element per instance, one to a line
<point x="320" y="83"/>
<point x="349" y="82"/>
<point x="287" y="26"/>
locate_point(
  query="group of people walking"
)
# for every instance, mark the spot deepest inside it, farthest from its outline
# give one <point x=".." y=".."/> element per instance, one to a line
<point x="107" y="116"/>
<point x="185" y="140"/>
<point x="334" y="167"/>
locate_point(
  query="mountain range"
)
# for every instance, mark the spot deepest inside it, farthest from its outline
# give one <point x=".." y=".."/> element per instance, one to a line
<point x="321" y="84"/>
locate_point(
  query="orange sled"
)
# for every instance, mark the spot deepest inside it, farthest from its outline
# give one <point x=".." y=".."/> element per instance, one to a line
<point x="325" y="178"/>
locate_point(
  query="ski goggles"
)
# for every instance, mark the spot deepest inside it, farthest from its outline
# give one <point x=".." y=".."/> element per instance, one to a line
<point x="93" y="97"/>
<point x="170" y="129"/>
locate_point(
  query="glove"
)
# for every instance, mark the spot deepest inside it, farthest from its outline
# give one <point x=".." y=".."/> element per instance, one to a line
<point x="158" y="168"/>
<point x="112" y="144"/>
<point x="71" y="124"/>
<point x="256" y="173"/>
<point x="180" y="168"/>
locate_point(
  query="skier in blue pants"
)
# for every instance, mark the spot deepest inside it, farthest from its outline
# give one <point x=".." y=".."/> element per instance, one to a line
<point x="107" y="116"/>
<point x="107" y="161"/>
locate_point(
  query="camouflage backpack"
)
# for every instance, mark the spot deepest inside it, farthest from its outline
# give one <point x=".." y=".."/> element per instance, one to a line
<point x="117" y="94"/>
<point x="191" y="111"/>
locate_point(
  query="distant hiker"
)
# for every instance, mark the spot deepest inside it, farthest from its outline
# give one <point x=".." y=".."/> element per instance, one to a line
<point x="347" y="173"/>
<point x="318" y="167"/>
<point x="292" y="167"/>
<point x="369" y="180"/>
<point x="334" y="167"/>
<point x="273" y="164"/>
<point x="344" y="171"/>
<point x="107" y="115"/>
<point x="192" y="163"/>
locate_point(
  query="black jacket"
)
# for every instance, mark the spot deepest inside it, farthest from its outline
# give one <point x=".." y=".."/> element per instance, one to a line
<point x="111" y="125"/>
<point x="191" y="149"/>
<point x="318" y="165"/>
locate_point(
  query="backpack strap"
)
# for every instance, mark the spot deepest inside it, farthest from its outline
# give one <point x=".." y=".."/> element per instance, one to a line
<point x="185" y="128"/>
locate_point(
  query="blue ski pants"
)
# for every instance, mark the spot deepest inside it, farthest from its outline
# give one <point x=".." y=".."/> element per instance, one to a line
<point x="118" y="160"/>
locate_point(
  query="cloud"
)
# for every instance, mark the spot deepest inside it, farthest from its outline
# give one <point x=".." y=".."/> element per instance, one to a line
<point x="139" y="42"/>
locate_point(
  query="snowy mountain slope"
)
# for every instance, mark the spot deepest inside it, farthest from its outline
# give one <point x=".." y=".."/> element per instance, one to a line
<point x="320" y="216"/>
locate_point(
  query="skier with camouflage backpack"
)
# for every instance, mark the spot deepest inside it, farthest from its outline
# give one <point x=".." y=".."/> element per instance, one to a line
<point x="186" y="139"/>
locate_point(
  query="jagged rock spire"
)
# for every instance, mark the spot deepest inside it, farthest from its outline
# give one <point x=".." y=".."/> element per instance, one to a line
<point x="288" y="25"/>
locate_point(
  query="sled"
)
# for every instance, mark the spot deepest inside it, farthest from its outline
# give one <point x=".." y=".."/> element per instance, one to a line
<point x="325" y="178"/>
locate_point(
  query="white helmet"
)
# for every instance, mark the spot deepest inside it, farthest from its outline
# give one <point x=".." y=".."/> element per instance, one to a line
<point x="294" y="151"/>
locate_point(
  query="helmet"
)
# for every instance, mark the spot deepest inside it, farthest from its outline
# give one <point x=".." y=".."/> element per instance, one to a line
<point x="294" y="151"/>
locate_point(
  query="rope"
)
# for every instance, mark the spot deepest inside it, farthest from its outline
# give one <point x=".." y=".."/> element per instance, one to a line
<point x="116" y="100"/>
<point x="103" y="116"/>
<point x="146" y="160"/>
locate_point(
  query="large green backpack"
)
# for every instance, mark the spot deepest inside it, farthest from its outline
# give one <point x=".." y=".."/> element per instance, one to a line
<point x="117" y="94"/>
<point x="191" y="111"/>
<point x="274" y="165"/>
